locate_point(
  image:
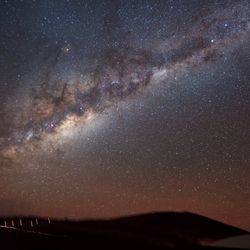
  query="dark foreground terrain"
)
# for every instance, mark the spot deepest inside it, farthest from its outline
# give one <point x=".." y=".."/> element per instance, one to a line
<point x="148" y="231"/>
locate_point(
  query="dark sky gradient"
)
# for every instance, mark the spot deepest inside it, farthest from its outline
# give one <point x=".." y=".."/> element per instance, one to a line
<point x="111" y="108"/>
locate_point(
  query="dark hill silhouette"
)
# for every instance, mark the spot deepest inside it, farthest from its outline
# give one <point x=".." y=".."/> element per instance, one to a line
<point x="146" y="231"/>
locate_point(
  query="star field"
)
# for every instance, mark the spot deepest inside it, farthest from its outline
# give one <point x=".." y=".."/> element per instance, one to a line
<point x="111" y="108"/>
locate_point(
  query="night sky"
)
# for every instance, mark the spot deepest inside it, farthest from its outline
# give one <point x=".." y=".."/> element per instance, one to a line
<point x="111" y="108"/>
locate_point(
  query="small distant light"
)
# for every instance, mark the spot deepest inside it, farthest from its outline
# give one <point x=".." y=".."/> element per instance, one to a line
<point x="226" y="24"/>
<point x="66" y="49"/>
<point x="212" y="40"/>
